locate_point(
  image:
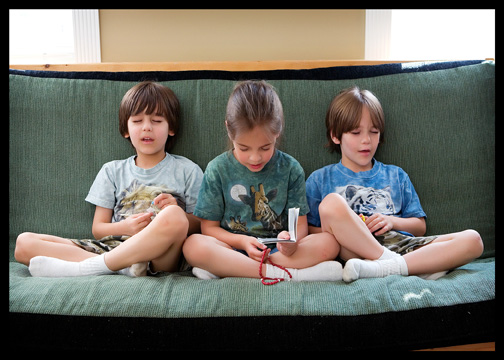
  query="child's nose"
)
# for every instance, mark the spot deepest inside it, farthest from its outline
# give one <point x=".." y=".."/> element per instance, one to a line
<point x="255" y="156"/>
<point x="147" y="126"/>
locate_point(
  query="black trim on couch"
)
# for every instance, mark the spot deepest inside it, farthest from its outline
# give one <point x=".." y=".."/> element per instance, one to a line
<point x="329" y="73"/>
<point x="405" y="330"/>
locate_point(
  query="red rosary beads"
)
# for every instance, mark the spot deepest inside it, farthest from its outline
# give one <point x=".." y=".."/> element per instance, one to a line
<point x="268" y="280"/>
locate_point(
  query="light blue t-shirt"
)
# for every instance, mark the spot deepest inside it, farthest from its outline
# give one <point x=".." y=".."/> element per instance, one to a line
<point x="252" y="203"/>
<point x="128" y="189"/>
<point x="384" y="189"/>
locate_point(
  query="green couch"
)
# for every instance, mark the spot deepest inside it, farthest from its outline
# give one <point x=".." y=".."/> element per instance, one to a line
<point x="440" y="126"/>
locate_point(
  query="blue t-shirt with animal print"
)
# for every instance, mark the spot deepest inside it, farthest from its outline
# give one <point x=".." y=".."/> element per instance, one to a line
<point x="385" y="189"/>
<point x="252" y="203"/>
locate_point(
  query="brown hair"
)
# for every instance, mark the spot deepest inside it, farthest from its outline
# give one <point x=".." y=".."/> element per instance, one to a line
<point x="345" y="112"/>
<point x="253" y="103"/>
<point x="151" y="97"/>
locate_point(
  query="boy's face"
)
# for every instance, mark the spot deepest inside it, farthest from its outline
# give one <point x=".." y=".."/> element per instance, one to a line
<point x="148" y="133"/>
<point x="358" y="146"/>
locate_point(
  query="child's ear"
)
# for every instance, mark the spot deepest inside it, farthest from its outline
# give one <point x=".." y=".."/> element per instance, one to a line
<point x="126" y="135"/>
<point x="335" y="139"/>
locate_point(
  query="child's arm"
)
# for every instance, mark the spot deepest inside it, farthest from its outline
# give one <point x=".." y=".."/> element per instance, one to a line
<point x="238" y="241"/>
<point x="102" y="225"/>
<point x="379" y="224"/>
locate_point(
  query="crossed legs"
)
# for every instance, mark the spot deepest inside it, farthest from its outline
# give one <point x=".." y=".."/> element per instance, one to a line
<point x="160" y="242"/>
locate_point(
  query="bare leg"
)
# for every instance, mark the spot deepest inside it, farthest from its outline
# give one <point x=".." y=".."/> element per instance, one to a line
<point x="160" y="242"/>
<point x="220" y="260"/>
<point x="350" y="231"/>
<point x="29" y="245"/>
<point x="446" y="252"/>
<point x="311" y="250"/>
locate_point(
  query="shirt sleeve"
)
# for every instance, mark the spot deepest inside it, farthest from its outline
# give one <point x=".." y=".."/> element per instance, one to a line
<point x="296" y="193"/>
<point x="102" y="192"/>
<point x="210" y="205"/>
<point x="411" y="206"/>
<point x="192" y="188"/>
<point x="314" y="199"/>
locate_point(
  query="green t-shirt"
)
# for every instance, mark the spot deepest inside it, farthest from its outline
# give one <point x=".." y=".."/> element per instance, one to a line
<point x="252" y="203"/>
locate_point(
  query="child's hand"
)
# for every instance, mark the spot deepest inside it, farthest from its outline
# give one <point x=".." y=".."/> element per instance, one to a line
<point x="253" y="248"/>
<point x="379" y="224"/>
<point x="286" y="249"/>
<point x="135" y="223"/>
<point x="163" y="200"/>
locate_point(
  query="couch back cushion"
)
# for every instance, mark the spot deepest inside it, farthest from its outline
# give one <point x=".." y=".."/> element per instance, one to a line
<point x="440" y="126"/>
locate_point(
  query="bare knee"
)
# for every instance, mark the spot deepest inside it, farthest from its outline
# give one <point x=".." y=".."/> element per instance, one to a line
<point x="195" y="248"/>
<point x="473" y="242"/>
<point x="173" y="220"/>
<point x="333" y="205"/>
<point x="24" y="243"/>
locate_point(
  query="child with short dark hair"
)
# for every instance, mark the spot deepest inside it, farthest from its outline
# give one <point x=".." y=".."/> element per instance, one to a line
<point x="360" y="187"/>
<point x="136" y="225"/>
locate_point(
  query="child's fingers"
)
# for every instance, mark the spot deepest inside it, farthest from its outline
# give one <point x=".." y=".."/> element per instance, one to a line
<point x="163" y="200"/>
<point x="141" y="217"/>
<point x="284" y="235"/>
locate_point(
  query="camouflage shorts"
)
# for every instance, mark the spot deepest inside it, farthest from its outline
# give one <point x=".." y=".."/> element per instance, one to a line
<point x="401" y="243"/>
<point x="100" y="246"/>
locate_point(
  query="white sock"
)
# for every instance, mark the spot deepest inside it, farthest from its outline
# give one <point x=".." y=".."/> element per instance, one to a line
<point x="358" y="269"/>
<point x="203" y="274"/>
<point x="325" y="271"/>
<point x="388" y="254"/>
<point x="135" y="270"/>
<point x="43" y="266"/>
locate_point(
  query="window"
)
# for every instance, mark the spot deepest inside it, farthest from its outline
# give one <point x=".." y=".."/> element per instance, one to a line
<point x="430" y="34"/>
<point x="53" y="36"/>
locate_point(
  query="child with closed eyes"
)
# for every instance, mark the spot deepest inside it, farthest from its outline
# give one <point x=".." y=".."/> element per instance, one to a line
<point x="144" y="203"/>
<point x="246" y="193"/>
<point x="390" y="239"/>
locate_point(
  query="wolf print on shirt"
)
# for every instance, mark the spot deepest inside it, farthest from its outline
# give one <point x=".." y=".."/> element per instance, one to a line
<point x="367" y="200"/>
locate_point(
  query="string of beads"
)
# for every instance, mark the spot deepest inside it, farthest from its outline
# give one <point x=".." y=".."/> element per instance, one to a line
<point x="267" y="280"/>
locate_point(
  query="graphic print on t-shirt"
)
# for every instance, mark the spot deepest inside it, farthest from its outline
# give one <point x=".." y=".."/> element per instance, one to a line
<point x="257" y="201"/>
<point x="367" y="200"/>
<point x="137" y="198"/>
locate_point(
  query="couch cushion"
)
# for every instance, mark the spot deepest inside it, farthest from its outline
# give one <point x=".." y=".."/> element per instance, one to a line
<point x="179" y="295"/>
